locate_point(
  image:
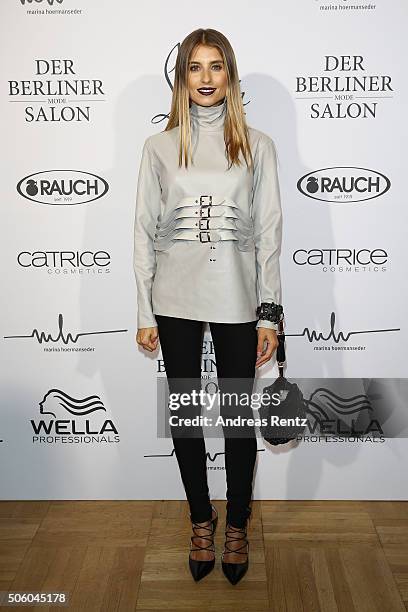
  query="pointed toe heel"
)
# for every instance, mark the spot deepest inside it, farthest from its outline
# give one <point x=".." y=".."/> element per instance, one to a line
<point x="235" y="571"/>
<point x="200" y="569"/>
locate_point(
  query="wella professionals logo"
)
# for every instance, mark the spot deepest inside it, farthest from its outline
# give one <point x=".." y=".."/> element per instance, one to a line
<point x="62" y="187"/>
<point x="74" y="420"/>
<point x="344" y="184"/>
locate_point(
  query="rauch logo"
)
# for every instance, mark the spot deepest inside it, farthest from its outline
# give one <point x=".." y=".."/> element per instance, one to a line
<point x="62" y="187"/>
<point x="343" y="184"/>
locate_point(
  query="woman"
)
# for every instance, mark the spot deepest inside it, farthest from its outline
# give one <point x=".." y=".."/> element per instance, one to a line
<point x="207" y="233"/>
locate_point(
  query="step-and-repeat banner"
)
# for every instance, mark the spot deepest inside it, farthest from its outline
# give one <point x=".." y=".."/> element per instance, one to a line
<point x="83" y="84"/>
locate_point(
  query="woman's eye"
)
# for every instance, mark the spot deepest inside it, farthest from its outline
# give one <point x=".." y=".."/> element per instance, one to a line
<point x="195" y="67"/>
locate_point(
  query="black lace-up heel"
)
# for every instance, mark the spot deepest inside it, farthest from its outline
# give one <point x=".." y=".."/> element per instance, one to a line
<point x="200" y="569"/>
<point x="235" y="571"/>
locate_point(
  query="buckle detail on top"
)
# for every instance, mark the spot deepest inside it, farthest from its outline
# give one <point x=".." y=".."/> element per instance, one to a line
<point x="204" y="224"/>
<point x="208" y="236"/>
<point x="209" y="201"/>
<point x="205" y="210"/>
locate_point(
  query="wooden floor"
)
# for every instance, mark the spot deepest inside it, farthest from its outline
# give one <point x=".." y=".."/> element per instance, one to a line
<point x="305" y="556"/>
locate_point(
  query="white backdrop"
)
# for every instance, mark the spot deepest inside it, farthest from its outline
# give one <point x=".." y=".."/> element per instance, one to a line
<point x="83" y="84"/>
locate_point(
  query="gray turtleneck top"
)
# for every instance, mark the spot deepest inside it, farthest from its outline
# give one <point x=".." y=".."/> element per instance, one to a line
<point x="181" y="273"/>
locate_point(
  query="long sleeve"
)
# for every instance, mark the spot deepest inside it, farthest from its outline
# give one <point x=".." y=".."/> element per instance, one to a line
<point x="146" y="213"/>
<point x="267" y="216"/>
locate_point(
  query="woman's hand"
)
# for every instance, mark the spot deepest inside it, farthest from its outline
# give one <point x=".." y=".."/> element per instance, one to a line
<point x="147" y="338"/>
<point x="269" y="338"/>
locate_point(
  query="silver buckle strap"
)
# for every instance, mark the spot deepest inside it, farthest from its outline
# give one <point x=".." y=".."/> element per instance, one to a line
<point x="210" y="198"/>
<point x="207" y="236"/>
<point x="204" y="224"/>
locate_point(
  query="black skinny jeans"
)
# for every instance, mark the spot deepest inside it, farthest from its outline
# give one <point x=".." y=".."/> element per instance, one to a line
<point x="235" y="347"/>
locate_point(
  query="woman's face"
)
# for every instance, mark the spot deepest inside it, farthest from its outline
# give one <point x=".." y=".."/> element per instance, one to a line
<point x="207" y="79"/>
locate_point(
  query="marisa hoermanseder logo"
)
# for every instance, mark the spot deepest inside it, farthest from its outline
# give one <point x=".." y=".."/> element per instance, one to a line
<point x="49" y="2"/>
<point x="332" y="338"/>
<point x="63" y="339"/>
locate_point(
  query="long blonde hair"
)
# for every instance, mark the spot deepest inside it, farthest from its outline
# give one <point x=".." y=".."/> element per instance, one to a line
<point x="236" y="135"/>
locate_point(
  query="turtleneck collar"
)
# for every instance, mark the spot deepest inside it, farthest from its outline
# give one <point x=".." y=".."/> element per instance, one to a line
<point x="208" y="118"/>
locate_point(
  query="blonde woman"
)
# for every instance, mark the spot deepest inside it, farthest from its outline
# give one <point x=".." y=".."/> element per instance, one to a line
<point x="207" y="241"/>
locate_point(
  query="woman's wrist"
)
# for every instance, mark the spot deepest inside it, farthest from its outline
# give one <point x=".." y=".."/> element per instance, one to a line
<point x="267" y="325"/>
<point x="269" y="313"/>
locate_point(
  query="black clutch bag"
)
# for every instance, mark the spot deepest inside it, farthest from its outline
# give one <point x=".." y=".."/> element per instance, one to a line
<point x="291" y="406"/>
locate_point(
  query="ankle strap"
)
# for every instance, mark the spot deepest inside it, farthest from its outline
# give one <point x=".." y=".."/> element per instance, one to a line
<point x="239" y="531"/>
<point x="208" y="537"/>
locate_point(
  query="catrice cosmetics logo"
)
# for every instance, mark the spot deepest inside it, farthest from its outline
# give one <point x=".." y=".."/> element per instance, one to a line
<point x="343" y="184"/>
<point x="63" y="341"/>
<point x="66" y="419"/>
<point x="62" y="187"/>
<point x="345" y="89"/>
<point x="66" y="263"/>
<point x="56" y="94"/>
<point x="342" y="260"/>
